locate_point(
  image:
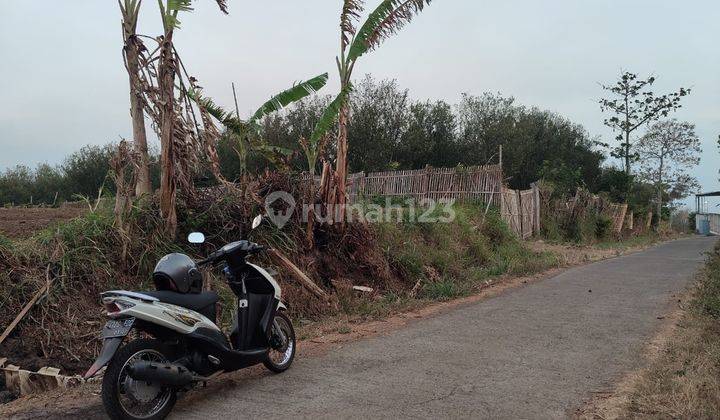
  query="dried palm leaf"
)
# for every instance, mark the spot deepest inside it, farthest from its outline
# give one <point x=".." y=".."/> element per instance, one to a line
<point x="348" y="18"/>
<point x="388" y="18"/>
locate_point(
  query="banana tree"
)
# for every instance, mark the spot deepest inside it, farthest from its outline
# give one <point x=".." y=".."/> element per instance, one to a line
<point x="130" y="10"/>
<point x="172" y="132"/>
<point x="387" y="18"/>
<point x="248" y="133"/>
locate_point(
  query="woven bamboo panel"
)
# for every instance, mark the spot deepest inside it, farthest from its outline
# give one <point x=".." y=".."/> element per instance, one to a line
<point x="510" y="210"/>
<point x="478" y="183"/>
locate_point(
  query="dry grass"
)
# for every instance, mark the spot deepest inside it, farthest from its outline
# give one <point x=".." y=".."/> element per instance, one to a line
<point x="682" y="379"/>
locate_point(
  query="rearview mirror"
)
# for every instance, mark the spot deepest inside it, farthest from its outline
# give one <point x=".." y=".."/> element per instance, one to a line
<point x="196" y="238"/>
<point x="256" y="221"/>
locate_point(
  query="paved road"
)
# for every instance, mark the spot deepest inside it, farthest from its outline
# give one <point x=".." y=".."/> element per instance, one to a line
<point x="533" y="352"/>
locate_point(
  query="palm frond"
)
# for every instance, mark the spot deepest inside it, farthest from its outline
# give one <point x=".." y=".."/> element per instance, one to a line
<point x="171" y="10"/>
<point x="226" y="118"/>
<point x="388" y="18"/>
<point x="274" y="154"/>
<point x="348" y="17"/>
<point x="289" y="96"/>
<point x="130" y="9"/>
<point x="329" y="116"/>
<point x="174" y="6"/>
<point x="268" y="148"/>
<point x="222" y="4"/>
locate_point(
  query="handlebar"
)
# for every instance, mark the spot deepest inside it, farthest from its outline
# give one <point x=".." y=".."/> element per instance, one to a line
<point x="204" y="262"/>
<point x="219" y="254"/>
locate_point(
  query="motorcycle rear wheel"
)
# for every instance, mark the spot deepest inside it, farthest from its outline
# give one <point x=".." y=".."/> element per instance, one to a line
<point x="279" y="360"/>
<point x="126" y="399"/>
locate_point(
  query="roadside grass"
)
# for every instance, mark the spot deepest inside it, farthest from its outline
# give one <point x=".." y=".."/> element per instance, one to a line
<point x="439" y="262"/>
<point x="417" y="264"/>
<point x="443" y="261"/>
<point x="638" y="241"/>
<point x="5" y="242"/>
<point x="684" y="380"/>
<point x="609" y="241"/>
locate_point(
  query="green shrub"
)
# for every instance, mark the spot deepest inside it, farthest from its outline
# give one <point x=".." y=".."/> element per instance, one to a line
<point x="441" y="290"/>
<point x="692" y="221"/>
<point x="82" y="173"/>
<point x="452" y="258"/>
<point x="496" y="230"/>
<point x="586" y="229"/>
<point x="550" y="228"/>
<point x="603" y="227"/>
<point x="5" y="242"/>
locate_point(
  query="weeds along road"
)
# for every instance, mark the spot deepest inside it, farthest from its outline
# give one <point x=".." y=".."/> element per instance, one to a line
<point x="532" y="352"/>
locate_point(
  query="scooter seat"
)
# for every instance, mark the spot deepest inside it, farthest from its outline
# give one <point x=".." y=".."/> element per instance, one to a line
<point x="203" y="303"/>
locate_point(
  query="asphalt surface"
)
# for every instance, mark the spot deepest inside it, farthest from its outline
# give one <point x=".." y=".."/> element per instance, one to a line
<point x="537" y="351"/>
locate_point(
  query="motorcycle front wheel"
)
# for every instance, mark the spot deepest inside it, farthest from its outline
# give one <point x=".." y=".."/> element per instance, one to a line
<point x="282" y="353"/>
<point x="125" y="398"/>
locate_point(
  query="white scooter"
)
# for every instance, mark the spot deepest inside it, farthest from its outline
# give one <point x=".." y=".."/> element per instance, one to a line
<point x="179" y="344"/>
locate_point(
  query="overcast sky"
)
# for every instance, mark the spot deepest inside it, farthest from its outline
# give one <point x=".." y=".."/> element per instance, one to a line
<point x="63" y="85"/>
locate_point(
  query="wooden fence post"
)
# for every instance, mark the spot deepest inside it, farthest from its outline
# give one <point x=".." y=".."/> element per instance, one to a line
<point x="426" y="183"/>
<point x="502" y="202"/>
<point x="536" y="208"/>
<point x="519" y="216"/>
<point x="621" y="216"/>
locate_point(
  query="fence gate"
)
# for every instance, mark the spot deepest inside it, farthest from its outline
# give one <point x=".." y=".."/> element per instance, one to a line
<point x="527" y="213"/>
<point x="510" y="209"/>
<point x="520" y="209"/>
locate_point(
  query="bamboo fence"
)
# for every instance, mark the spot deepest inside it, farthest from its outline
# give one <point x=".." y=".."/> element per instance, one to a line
<point x="520" y="209"/>
<point x="477" y="183"/>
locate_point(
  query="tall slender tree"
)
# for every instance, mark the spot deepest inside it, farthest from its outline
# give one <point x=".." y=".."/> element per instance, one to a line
<point x="130" y="10"/>
<point x="667" y="150"/>
<point x="633" y="104"/>
<point x="387" y="18"/>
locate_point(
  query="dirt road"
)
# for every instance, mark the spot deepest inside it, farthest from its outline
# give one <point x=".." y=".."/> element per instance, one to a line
<point x="536" y="351"/>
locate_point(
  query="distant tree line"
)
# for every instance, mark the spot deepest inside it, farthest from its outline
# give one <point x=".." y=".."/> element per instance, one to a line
<point x="387" y="131"/>
<point x="83" y="173"/>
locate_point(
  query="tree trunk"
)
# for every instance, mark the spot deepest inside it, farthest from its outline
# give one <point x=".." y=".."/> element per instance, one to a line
<point x="627" y="133"/>
<point x="143" y="185"/>
<point x="131" y="51"/>
<point x="627" y="152"/>
<point x="658" y="207"/>
<point x="341" y="164"/>
<point x="166" y="82"/>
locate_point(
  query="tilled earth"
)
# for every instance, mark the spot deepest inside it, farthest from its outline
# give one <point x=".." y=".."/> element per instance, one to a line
<point x="20" y="222"/>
